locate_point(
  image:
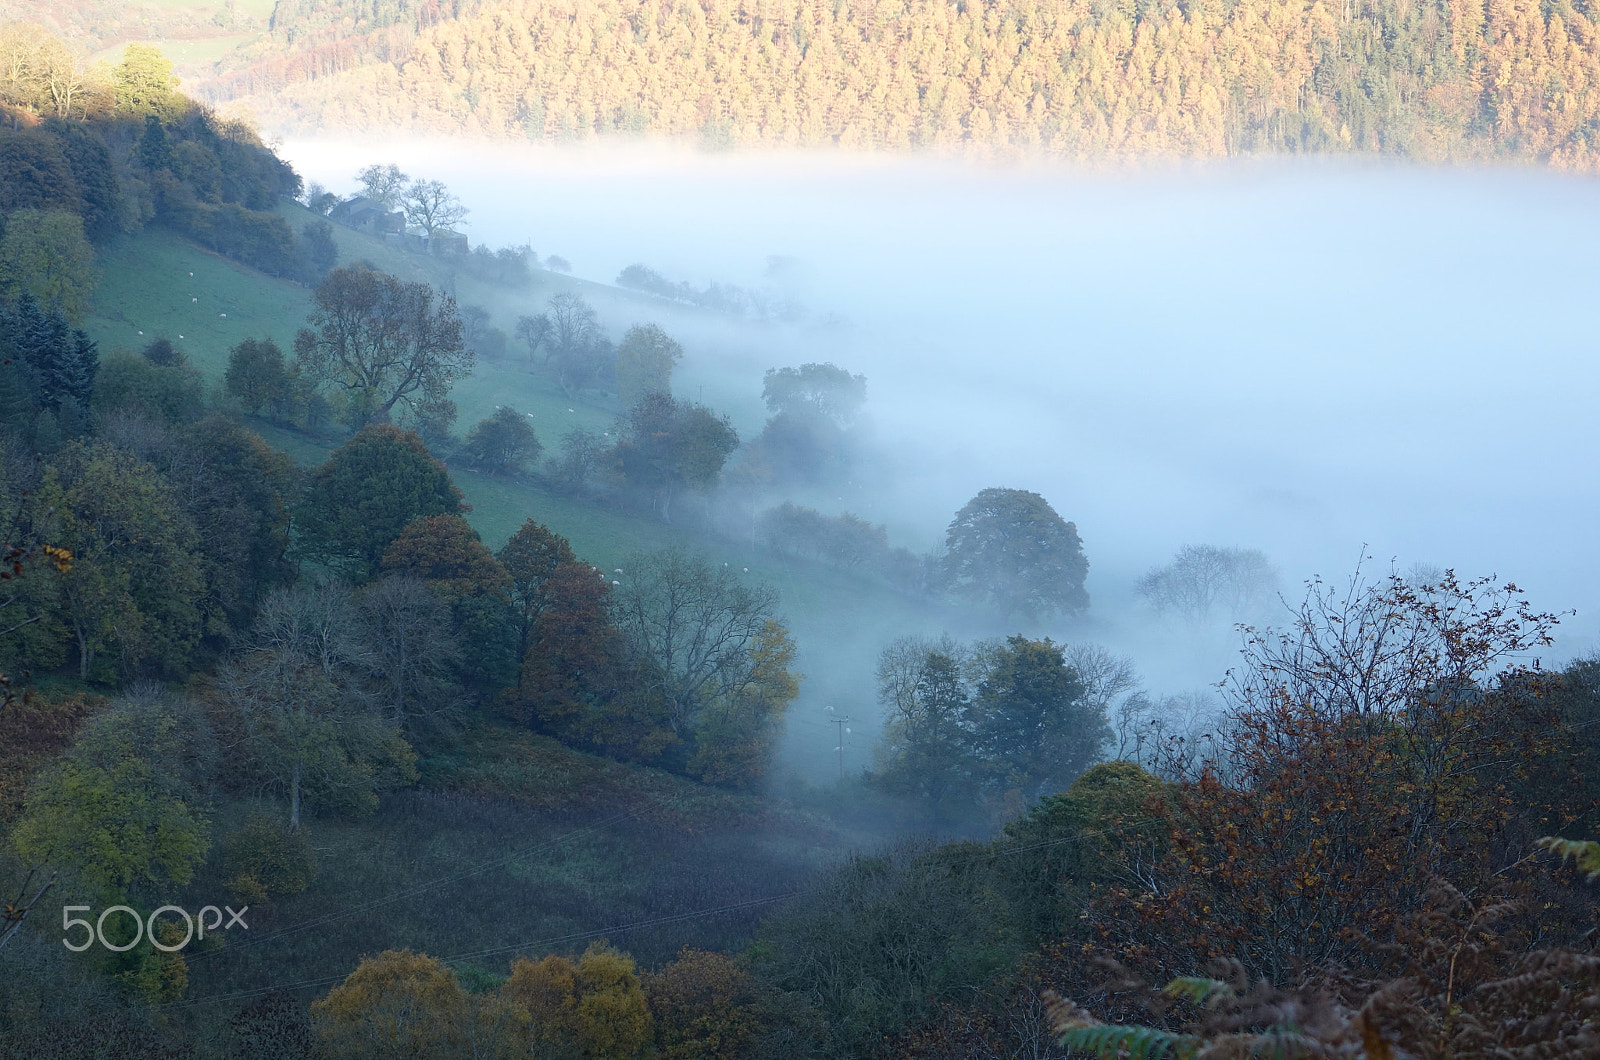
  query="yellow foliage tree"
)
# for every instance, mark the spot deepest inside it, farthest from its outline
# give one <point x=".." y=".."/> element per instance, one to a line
<point x="591" y="1009"/>
<point x="402" y="1005"/>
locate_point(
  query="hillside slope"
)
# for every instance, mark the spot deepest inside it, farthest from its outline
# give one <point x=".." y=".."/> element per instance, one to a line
<point x="1439" y="79"/>
<point x="161" y="284"/>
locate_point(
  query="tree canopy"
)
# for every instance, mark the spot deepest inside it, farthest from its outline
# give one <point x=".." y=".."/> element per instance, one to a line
<point x="370" y="488"/>
<point x="383" y="343"/>
<point x="1007" y="549"/>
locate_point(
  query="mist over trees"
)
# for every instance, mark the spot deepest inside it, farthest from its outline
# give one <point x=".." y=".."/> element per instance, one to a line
<point x="808" y="435"/>
<point x="1007" y="549"/>
<point x="968" y="721"/>
<point x="1205" y="581"/>
<point x="304" y="680"/>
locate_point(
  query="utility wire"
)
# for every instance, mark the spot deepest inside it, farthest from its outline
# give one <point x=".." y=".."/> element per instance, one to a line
<point x="416" y="889"/>
<point x="618" y="929"/>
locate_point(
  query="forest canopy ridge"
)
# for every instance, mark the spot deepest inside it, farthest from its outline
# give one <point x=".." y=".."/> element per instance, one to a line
<point x="1439" y="80"/>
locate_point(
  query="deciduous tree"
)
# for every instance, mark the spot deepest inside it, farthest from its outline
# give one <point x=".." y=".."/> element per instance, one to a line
<point x="1205" y="581"/>
<point x="504" y="442"/>
<point x="697" y="625"/>
<point x="298" y="688"/>
<point x="383" y="184"/>
<point x="430" y="206"/>
<point x="44" y="252"/>
<point x="1007" y="549"/>
<point x="645" y="360"/>
<point x="530" y="559"/>
<point x="383" y="342"/>
<point x="366" y="493"/>
<point x="667" y="446"/>
<point x="125" y="805"/>
<point x="134" y="585"/>
<point x="258" y="377"/>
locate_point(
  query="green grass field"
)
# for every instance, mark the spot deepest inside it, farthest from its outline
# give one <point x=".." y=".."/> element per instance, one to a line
<point x="157" y="284"/>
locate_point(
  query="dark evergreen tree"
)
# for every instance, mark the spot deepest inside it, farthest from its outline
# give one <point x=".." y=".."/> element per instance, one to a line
<point x="155" y="152"/>
<point x="62" y="360"/>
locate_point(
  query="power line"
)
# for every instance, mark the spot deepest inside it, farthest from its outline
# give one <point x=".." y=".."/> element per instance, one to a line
<point x="417" y="889"/>
<point x="618" y="929"/>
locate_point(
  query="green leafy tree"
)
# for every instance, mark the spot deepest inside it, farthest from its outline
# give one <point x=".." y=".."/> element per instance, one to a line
<point x="62" y="364"/>
<point x="35" y="173"/>
<point x="504" y="442"/>
<point x="669" y="446"/>
<point x="125" y="805"/>
<point x="645" y="360"/>
<point x="103" y="204"/>
<point x="321" y="250"/>
<point x="929" y="749"/>
<point x="135" y="585"/>
<point x="383" y="342"/>
<point x="360" y="500"/>
<point x="815" y="391"/>
<point x="44" y="252"/>
<point x="738" y="731"/>
<point x="446" y="554"/>
<point x="131" y="383"/>
<point x="257" y="376"/>
<point x="1007" y="549"/>
<point x="235" y="490"/>
<point x="1036" y="729"/>
<point x="142" y="83"/>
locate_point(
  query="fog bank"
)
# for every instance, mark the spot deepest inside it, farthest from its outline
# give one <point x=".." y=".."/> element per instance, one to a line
<point x="1303" y="357"/>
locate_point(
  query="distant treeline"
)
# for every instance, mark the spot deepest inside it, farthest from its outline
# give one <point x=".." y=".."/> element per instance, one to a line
<point x="1439" y="79"/>
<point x="718" y="297"/>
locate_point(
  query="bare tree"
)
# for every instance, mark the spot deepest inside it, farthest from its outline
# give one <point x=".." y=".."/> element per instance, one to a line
<point x="37" y="71"/>
<point x="535" y="331"/>
<point x="409" y="650"/>
<point x="696" y="624"/>
<point x="901" y="666"/>
<point x="581" y="453"/>
<point x="428" y="205"/>
<point x="1111" y="687"/>
<point x="1207" y="581"/>
<point x="309" y="723"/>
<point x="383" y="184"/>
<point x="572" y="319"/>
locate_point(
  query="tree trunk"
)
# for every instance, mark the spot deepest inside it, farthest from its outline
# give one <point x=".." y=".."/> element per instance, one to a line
<point x="85" y="653"/>
<point x="294" y="799"/>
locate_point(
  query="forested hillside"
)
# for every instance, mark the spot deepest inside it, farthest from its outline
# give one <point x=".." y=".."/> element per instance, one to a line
<point x="1435" y="80"/>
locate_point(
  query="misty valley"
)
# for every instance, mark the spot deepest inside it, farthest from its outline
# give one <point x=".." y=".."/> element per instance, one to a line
<point x="1016" y="531"/>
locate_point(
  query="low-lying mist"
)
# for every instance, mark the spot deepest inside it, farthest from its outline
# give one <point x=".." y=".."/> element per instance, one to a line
<point x="1308" y="358"/>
